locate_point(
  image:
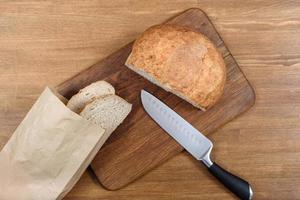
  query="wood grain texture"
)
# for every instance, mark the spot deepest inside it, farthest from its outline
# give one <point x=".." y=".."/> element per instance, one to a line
<point x="139" y="144"/>
<point x="45" y="42"/>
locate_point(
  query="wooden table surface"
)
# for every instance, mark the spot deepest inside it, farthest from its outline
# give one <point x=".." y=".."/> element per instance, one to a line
<point x="45" y="42"/>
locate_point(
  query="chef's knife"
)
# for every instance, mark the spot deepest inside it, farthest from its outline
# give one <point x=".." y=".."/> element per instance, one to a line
<point x="194" y="142"/>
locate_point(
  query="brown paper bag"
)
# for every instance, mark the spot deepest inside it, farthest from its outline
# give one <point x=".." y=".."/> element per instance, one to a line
<point x="48" y="152"/>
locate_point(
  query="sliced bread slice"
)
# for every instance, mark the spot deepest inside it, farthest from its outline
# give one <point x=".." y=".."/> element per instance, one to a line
<point x="87" y="94"/>
<point x="108" y="112"/>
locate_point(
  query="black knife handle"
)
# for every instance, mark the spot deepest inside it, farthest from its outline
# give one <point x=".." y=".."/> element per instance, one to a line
<point x="238" y="186"/>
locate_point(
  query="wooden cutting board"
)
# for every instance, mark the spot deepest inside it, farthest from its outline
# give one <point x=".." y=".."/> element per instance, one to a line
<point x="139" y="144"/>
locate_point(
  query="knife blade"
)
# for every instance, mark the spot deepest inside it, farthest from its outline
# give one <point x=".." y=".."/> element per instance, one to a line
<point x="194" y="142"/>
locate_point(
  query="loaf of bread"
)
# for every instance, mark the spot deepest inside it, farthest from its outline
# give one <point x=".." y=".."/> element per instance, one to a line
<point x="87" y="94"/>
<point x="180" y="61"/>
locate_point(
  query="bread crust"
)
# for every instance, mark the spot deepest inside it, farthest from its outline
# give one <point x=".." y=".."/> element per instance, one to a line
<point x="181" y="61"/>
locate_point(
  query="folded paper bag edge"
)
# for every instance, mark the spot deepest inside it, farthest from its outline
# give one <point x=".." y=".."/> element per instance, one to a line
<point x="48" y="123"/>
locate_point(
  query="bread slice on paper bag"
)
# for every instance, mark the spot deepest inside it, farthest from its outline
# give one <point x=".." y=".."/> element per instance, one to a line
<point x="48" y="151"/>
<point x="87" y="94"/>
